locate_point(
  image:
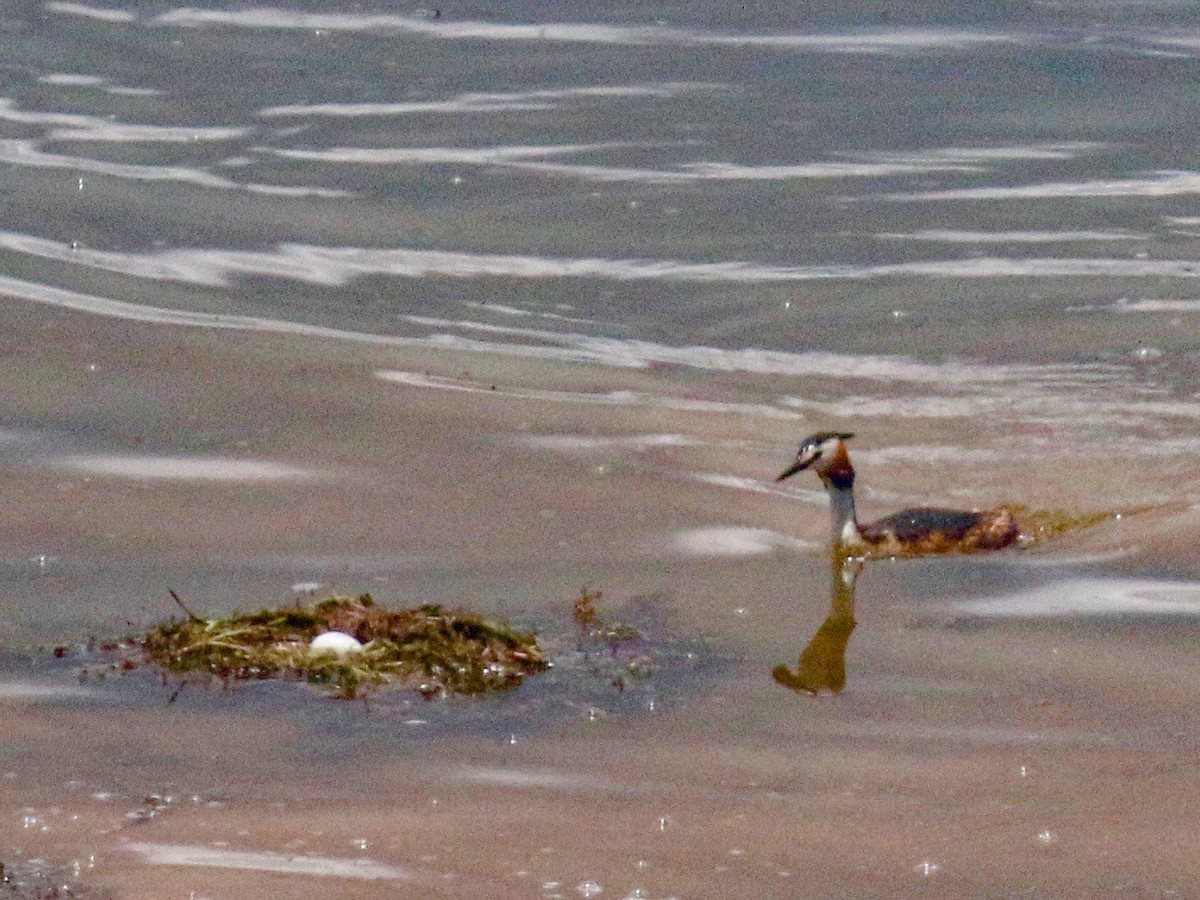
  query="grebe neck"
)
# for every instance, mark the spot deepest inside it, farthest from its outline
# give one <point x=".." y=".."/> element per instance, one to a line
<point x="840" y="486"/>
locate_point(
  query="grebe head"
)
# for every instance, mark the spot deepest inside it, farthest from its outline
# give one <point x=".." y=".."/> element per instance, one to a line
<point x="819" y="450"/>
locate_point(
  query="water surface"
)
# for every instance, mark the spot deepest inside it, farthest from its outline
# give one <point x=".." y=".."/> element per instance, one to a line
<point x="484" y="307"/>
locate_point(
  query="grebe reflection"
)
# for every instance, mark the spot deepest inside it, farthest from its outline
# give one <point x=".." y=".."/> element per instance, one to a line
<point x="823" y="661"/>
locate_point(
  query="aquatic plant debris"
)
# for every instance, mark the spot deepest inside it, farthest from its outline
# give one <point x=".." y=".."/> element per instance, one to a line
<point x="435" y="651"/>
<point x="625" y="655"/>
<point x="1040" y="525"/>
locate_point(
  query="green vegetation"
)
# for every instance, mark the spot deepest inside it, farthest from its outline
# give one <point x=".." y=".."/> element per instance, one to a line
<point x="437" y="652"/>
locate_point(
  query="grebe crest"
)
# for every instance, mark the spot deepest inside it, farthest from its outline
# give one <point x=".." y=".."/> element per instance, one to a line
<point x="912" y="532"/>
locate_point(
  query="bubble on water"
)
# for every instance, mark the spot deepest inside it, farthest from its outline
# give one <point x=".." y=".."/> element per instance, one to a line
<point x="1046" y="838"/>
<point x="512" y="739"/>
<point x="360" y="843"/>
<point x="1146" y="353"/>
<point x="1023" y="771"/>
<point x="80" y="867"/>
<point x="664" y="822"/>
<point x="588" y="888"/>
<point x="926" y="868"/>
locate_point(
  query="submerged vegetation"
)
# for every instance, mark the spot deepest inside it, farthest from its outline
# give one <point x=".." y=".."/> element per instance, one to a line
<point x="438" y="652"/>
<point x="614" y="651"/>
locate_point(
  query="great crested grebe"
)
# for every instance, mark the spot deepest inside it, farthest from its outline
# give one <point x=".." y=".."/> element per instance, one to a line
<point x="913" y="532"/>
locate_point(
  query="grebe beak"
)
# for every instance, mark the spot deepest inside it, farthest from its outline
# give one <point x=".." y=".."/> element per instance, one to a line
<point x="803" y="461"/>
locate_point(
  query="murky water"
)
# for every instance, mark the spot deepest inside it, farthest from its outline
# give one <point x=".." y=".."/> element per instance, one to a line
<point x="485" y="306"/>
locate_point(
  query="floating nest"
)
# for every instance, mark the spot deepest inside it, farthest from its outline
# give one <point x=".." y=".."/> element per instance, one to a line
<point x="435" y="651"/>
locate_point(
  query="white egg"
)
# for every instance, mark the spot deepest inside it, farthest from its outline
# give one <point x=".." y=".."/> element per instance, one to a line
<point x="336" y="642"/>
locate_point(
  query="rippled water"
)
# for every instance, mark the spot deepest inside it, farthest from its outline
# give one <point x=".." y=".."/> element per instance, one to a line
<point x="688" y="190"/>
<point x="490" y="302"/>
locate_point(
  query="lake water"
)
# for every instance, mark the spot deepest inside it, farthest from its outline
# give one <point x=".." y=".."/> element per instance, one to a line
<point x="484" y="304"/>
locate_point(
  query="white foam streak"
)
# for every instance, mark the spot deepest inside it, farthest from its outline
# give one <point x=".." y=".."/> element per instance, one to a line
<point x="539" y="779"/>
<point x="266" y="861"/>
<point x="37" y="692"/>
<point x="19" y="152"/>
<point x="337" y="266"/>
<point x="735" y="541"/>
<point x="1029" y="399"/>
<point x="590" y="444"/>
<point x="893" y="40"/>
<point x="758" y="486"/>
<point x="491" y="102"/>
<point x="1091" y="597"/>
<point x="520" y="313"/>
<point x="730" y="172"/>
<point x="91" y="12"/>
<point x="603" y="351"/>
<point x="609" y="398"/>
<point x="925" y="453"/>
<point x="531" y="160"/>
<point x="69" y="79"/>
<point x="76" y="127"/>
<point x="1063" y="150"/>
<point x="1172" y="306"/>
<point x="475" y="156"/>
<point x="1160" y="184"/>
<point x="178" y="468"/>
<point x="1010" y="237"/>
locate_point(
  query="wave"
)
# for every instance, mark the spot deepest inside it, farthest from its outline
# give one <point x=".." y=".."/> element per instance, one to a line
<point x="605" y="398"/>
<point x="1168" y="183"/>
<point x="947" y="236"/>
<point x="905" y="40"/>
<point x="1091" y="597"/>
<point x="491" y="102"/>
<point x="80" y="127"/>
<point x="735" y="541"/>
<point x="337" y="266"/>
<point x="27" y="152"/>
<point x="625" y="353"/>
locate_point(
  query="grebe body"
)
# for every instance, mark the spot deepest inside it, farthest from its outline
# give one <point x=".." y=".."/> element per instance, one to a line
<point x="912" y="532"/>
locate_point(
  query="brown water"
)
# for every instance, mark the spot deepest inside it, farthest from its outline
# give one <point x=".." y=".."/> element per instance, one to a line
<point x="488" y="307"/>
<point x="967" y="754"/>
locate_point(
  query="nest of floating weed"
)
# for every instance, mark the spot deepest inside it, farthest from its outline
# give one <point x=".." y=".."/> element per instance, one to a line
<point x="433" y="650"/>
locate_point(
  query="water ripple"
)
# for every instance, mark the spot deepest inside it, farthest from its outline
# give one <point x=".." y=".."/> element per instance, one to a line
<point x="339" y="265"/>
<point x="904" y="40"/>
<point x="490" y="102"/>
